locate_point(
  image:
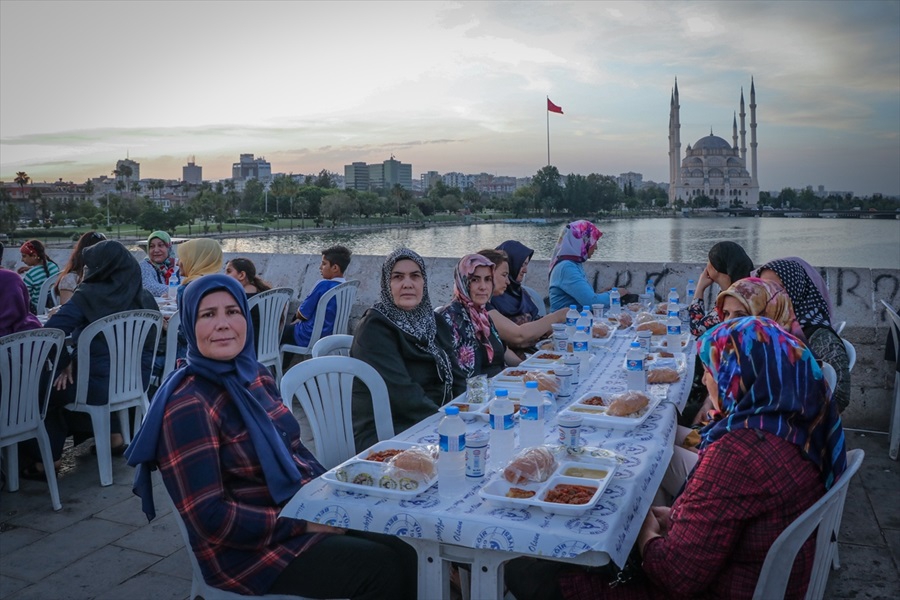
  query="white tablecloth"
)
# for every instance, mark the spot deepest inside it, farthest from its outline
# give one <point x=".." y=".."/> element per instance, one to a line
<point x="611" y="527"/>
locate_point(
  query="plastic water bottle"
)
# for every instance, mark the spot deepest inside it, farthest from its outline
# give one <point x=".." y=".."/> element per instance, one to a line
<point x="531" y="417"/>
<point x="673" y="332"/>
<point x="650" y="291"/>
<point x="581" y="348"/>
<point x="615" y="302"/>
<point x="689" y="291"/>
<point x="561" y="341"/>
<point x="634" y="363"/>
<point x="451" y="464"/>
<point x="673" y="301"/>
<point x="503" y="440"/>
<point x="586" y="312"/>
<point x="584" y="320"/>
<point x="174" y="282"/>
<point x="571" y="319"/>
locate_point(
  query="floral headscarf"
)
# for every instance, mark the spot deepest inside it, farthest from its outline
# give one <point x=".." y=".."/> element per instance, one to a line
<point x="807" y="289"/>
<point x="477" y="314"/>
<point x="575" y="243"/>
<point x="420" y="321"/>
<point x="200" y="257"/>
<point x="768" y="380"/>
<point x="166" y="267"/>
<point x="762" y="298"/>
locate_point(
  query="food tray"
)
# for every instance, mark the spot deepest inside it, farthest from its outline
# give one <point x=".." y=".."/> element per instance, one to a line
<point x="515" y="375"/>
<point x="482" y="411"/>
<point x="656" y="361"/>
<point x="603" y="468"/>
<point x="358" y="465"/>
<point x="597" y="414"/>
<point x="613" y="327"/>
<point x="659" y="342"/>
<point x="543" y="357"/>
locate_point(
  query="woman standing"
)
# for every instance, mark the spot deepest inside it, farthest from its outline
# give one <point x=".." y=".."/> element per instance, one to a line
<point x="402" y="340"/>
<point x="71" y="275"/>
<point x="727" y="263"/>
<point x="159" y="263"/>
<point x="230" y="457"/>
<point x="568" y="281"/>
<point x="477" y="347"/>
<point x="38" y="269"/>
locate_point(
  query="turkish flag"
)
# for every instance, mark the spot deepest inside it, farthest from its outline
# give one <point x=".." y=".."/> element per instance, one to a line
<point x="553" y="108"/>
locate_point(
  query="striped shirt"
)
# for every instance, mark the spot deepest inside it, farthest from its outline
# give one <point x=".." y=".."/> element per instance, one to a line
<point x="212" y="473"/>
<point x="35" y="277"/>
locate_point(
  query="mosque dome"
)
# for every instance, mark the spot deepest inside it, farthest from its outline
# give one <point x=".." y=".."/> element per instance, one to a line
<point x="711" y="142"/>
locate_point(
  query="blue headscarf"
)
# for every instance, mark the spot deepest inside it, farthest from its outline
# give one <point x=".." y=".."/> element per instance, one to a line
<point x="769" y="380"/>
<point x="283" y="478"/>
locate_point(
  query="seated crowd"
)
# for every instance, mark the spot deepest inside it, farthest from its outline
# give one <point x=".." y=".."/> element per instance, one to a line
<point x="231" y="454"/>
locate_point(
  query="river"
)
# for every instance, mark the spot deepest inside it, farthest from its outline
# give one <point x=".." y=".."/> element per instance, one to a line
<point x="873" y="243"/>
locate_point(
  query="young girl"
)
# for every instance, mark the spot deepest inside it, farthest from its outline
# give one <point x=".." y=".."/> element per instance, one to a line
<point x="71" y="275"/>
<point x="244" y="271"/>
<point x="38" y="268"/>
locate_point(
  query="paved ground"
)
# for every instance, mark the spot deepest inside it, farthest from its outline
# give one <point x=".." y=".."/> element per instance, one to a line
<point x="101" y="546"/>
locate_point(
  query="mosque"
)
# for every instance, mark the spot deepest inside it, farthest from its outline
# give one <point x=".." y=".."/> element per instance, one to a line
<point x="712" y="166"/>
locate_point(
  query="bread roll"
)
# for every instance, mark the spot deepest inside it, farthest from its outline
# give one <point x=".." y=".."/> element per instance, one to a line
<point x="532" y="464"/>
<point x="416" y="462"/>
<point x="654" y="327"/>
<point x="600" y="330"/>
<point x="627" y="403"/>
<point x="625" y="320"/>
<point x="662" y="375"/>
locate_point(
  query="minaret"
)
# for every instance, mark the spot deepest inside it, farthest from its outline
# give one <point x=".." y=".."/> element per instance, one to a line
<point x="743" y="130"/>
<point x="734" y="131"/>
<point x="753" y="132"/>
<point x="677" y="127"/>
<point x="672" y="157"/>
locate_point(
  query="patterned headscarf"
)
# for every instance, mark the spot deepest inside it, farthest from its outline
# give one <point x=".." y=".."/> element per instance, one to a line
<point x="768" y="380"/>
<point x="200" y="257"/>
<point x="420" y="321"/>
<point x="761" y="298"/>
<point x="574" y="243"/>
<point x="477" y="314"/>
<point x="807" y="290"/>
<point x="168" y="265"/>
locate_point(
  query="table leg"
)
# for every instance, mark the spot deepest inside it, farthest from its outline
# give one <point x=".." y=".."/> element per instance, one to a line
<point x="434" y="573"/>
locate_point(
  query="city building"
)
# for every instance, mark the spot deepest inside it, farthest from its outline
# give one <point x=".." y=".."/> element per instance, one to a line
<point x="356" y="176"/>
<point x="135" y="170"/>
<point x="428" y="179"/>
<point x="713" y="167"/>
<point x="192" y="173"/>
<point x="458" y="180"/>
<point x="251" y="168"/>
<point x="635" y="180"/>
<point x="363" y="177"/>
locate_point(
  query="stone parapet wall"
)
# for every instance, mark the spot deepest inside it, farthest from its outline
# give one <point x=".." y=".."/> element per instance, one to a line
<point x="855" y="292"/>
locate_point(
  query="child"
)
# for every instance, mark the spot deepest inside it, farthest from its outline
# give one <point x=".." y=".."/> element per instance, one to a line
<point x="335" y="261"/>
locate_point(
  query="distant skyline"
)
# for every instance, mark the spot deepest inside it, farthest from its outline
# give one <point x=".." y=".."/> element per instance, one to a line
<point x="447" y="86"/>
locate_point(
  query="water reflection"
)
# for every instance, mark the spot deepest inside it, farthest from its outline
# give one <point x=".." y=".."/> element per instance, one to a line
<point x="824" y="242"/>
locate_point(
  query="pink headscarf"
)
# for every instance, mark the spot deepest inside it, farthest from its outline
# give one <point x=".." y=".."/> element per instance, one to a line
<point x="575" y="243"/>
<point x="477" y="314"/>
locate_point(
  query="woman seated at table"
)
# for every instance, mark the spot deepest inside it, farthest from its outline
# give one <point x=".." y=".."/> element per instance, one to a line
<point x="518" y="337"/>
<point x="159" y="263"/>
<point x="408" y="346"/>
<point x="568" y="281"/>
<point x="775" y="449"/>
<point x="812" y="304"/>
<point x="244" y="271"/>
<point x="230" y="457"/>
<point x="514" y="302"/>
<point x="727" y="263"/>
<point x="15" y="315"/>
<point x="111" y="284"/>
<point x="198" y="257"/>
<point x="477" y="347"/>
<point x="70" y="276"/>
<point x="39" y="267"/>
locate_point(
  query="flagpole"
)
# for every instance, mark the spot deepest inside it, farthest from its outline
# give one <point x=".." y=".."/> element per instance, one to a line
<point x="547" y="110"/>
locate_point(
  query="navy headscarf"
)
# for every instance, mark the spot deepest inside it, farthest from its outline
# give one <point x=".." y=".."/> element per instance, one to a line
<point x="514" y="303"/>
<point x="283" y="478"/>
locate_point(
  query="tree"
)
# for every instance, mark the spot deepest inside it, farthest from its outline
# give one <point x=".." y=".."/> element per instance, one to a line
<point x="35" y="196"/>
<point x="9" y="212"/>
<point x="548" y="192"/>
<point x="471" y="197"/>
<point x="325" y="180"/>
<point x="88" y="188"/>
<point x="337" y="207"/>
<point x="22" y="179"/>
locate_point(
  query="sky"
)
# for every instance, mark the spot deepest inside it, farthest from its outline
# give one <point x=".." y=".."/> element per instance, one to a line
<point x="448" y="86"/>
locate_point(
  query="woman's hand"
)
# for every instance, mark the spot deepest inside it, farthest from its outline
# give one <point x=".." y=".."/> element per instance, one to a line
<point x="661" y="514"/>
<point x="64" y="378"/>
<point x="649" y="530"/>
<point x="21" y="270"/>
<point x="320" y="528"/>
<point x="704" y="282"/>
<point x="558" y="316"/>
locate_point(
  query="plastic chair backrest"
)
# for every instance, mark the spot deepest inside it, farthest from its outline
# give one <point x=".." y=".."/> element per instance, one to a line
<point x="851" y="354"/>
<point x="25" y="357"/>
<point x="171" y="344"/>
<point x="536" y="298"/>
<point x="271" y="305"/>
<point x="45" y="294"/>
<point x="126" y="334"/>
<point x="840" y="327"/>
<point x="830" y="376"/>
<point x="324" y="387"/>
<point x="333" y="345"/>
<point x="345" y="295"/>
<point x="895" y="327"/>
<point x="894" y="427"/>
<point x="824" y="515"/>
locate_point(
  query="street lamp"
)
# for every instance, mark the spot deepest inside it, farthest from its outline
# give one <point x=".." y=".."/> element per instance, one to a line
<point x="107" y="208"/>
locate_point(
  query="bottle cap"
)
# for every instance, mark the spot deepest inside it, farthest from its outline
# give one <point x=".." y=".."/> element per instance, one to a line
<point x="573" y="307"/>
<point x="501" y="392"/>
<point x="531" y="384"/>
<point x="635" y="344"/>
<point x="451" y="411"/>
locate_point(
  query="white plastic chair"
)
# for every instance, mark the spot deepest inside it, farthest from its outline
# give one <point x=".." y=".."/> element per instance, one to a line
<point x="830" y="376"/>
<point x="171" y="349"/>
<point x="126" y="334"/>
<point x="324" y="387"/>
<point x="45" y="294"/>
<point x="894" y="430"/>
<point x="333" y="345"/>
<point x="271" y="305"/>
<point x="345" y="295"/>
<point x="536" y="298"/>
<point x="825" y="515"/>
<point x="840" y="327"/>
<point x="851" y="353"/>
<point x="24" y="358"/>
<point x="199" y="587"/>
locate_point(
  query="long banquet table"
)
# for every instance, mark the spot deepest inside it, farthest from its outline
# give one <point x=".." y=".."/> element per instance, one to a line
<point x="473" y="530"/>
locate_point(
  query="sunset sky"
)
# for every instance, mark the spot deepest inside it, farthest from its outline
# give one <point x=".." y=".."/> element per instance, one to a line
<point x="447" y="86"/>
